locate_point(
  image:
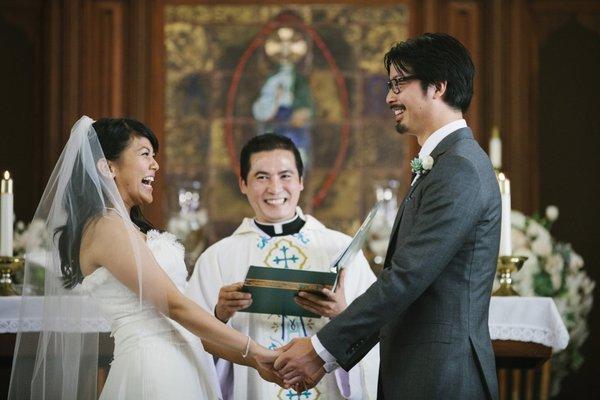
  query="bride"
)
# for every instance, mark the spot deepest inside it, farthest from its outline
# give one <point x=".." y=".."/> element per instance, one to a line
<point x="101" y="247"/>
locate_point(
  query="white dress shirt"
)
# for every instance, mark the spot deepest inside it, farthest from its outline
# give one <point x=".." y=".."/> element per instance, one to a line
<point x="436" y="137"/>
<point x="430" y="144"/>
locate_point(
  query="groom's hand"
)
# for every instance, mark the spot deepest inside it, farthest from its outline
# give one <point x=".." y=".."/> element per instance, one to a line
<point x="300" y="364"/>
<point x="231" y="300"/>
<point x="327" y="303"/>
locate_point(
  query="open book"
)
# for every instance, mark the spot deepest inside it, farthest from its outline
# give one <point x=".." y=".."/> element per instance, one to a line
<point x="273" y="289"/>
<point x="357" y="242"/>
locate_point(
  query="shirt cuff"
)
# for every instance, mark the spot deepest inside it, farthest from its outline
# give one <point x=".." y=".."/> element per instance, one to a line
<point x="330" y="363"/>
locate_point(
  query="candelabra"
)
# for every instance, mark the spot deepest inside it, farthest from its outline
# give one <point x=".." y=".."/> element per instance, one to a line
<point x="9" y="265"/>
<point x="507" y="265"/>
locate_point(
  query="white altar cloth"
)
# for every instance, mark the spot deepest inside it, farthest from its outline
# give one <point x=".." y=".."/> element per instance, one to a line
<point x="527" y="319"/>
<point x="10" y="309"/>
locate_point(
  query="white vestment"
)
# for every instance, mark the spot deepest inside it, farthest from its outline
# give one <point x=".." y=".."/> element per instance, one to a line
<point x="313" y="249"/>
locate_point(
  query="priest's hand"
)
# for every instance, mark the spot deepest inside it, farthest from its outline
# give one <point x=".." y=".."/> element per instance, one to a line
<point x="326" y="303"/>
<point x="231" y="300"/>
<point x="299" y="365"/>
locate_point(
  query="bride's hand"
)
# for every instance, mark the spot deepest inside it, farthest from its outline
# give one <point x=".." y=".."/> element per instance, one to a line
<point x="263" y="363"/>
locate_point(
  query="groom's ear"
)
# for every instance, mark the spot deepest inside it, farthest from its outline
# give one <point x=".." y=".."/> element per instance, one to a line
<point x="105" y="168"/>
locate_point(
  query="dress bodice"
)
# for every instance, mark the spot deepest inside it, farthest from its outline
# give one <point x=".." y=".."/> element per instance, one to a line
<point x="155" y="358"/>
<point x="129" y="320"/>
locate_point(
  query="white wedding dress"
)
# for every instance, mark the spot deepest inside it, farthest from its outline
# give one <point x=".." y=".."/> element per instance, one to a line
<point x="154" y="357"/>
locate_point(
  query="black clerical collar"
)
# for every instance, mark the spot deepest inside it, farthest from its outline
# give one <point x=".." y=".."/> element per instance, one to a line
<point x="285" y="228"/>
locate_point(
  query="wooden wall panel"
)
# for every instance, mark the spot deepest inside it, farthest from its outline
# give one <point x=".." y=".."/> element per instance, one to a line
<point x="520" y="137"/>
<point x="464" y="23"/>
<point x="97" y="58"/>
<point x="20" y="106"/>
<point x="103" y="58"/>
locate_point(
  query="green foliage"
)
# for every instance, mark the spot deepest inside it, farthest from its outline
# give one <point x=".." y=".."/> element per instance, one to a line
<point x="542" y="284"/>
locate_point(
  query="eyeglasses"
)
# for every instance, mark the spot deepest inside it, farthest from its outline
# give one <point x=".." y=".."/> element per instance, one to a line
<point x="394" y="83"/>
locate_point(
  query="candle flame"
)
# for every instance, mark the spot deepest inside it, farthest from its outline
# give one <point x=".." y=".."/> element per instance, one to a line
<point x="504" y="184"/>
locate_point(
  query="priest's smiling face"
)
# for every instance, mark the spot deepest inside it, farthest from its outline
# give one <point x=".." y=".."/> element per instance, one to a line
<point x="273" y="185"/>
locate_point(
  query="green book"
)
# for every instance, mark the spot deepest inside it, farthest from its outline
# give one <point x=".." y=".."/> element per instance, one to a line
<point x="273" y="289"/>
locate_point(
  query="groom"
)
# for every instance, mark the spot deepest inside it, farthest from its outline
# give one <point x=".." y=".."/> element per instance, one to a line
<point x="429" y="306"/>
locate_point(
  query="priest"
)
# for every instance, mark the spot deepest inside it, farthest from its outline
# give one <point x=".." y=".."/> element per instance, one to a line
<point x="280" y="236"/>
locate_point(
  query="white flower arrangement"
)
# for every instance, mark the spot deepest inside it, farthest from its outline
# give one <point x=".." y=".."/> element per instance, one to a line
<point x="554" y="270"/>
<point x="30" y="237"/>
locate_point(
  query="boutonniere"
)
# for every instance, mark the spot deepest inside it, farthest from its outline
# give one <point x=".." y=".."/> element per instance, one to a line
<point x="421" y="165"/>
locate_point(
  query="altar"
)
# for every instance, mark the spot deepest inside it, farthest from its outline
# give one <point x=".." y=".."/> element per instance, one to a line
<point x="525" y="332"/>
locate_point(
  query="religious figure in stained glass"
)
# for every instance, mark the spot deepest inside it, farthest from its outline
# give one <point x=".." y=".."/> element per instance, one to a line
<point x="285" y="105"/>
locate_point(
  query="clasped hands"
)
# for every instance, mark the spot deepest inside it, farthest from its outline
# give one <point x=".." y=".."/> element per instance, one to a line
<point x="297" y="365"/>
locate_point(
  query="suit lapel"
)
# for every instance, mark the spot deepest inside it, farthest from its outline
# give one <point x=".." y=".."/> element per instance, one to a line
<point x="394" y="235"/>
<point x="441" y="148"/>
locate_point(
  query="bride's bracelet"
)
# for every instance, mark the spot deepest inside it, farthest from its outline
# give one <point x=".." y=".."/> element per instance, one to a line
<point x="245" y="354"/>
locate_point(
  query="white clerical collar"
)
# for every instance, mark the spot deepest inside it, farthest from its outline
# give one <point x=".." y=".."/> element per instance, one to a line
<point x="278" y="227"/>
<point x="436" y="137"/>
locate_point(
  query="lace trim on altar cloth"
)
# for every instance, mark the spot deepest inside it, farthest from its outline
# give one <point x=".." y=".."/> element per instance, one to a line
<point x="35" y="325"/>
<point x="528" y="334"/>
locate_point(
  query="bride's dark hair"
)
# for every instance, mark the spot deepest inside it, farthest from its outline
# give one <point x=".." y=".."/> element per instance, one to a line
<point x="114" y="134"/>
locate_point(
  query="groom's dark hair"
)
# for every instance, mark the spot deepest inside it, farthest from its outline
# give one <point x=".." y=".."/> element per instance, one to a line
<point x="435" y="58"/>
<point x="267" y="142"/>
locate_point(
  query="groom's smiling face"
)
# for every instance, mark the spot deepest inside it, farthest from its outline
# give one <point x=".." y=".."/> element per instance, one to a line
<point x="273" y="185"/>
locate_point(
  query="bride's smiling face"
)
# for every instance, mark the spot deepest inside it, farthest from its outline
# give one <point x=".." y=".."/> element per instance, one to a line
<point x="134" y="171"/>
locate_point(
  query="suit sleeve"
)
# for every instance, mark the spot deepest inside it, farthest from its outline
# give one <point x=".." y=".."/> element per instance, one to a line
<point x="358" y="278"/>
<point x="447" y="214"/>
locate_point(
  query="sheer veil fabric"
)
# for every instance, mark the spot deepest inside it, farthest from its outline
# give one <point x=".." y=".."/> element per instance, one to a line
<point x="60" y="361"/>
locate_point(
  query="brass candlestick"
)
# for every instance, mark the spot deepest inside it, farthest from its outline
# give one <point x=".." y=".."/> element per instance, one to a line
<point x="507" y="265"/>
<point x="8" y="265"/>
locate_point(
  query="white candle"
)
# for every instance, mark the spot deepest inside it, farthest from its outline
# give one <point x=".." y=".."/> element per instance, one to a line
<point x="505" y="228"/>
<point x="6" y="216"/>
<point x="496" y="149"/>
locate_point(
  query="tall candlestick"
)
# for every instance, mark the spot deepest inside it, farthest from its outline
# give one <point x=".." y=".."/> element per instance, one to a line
<point x="505" y="228"/>
<point x="6" y="216"/>
<point x="496" y="149"/>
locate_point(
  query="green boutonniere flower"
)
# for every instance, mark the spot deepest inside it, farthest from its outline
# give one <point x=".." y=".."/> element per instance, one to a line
<point x="421" y="165"/>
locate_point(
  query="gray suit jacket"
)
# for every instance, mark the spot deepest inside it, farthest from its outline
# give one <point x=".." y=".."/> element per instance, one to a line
<point x="429" y="306"/>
